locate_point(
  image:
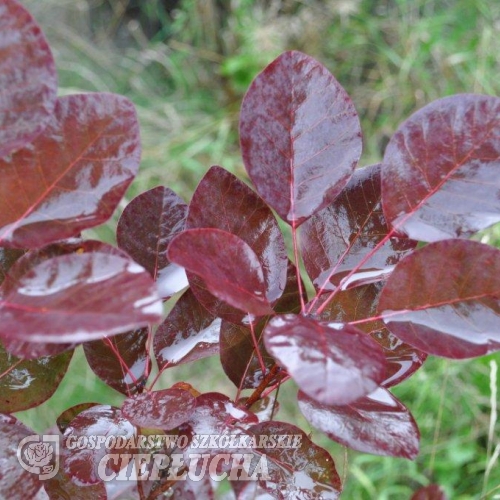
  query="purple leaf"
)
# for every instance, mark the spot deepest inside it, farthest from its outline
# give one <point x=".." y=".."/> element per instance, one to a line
<point x="440" y="170"/>
<point x="165" y="409"/>
<point x="227" y="265"/>
<point x="332" y="365"/>
<point x="82" y="463"/>
<point x="377" y="424"/>
<point x="221" y="201"/>
<point x="300" y="136"/>
<point x="145" y="229"/>
<point x="72" y="298"/>
<point x="73" y="175"/>
<point x="15" y="482"/>
<point x="28" y="383"/>
<point x="300" y="470"/>
<point x="444" y="299"/>
<point x="124" y="366"/>
<point x="28" y="78"/>
<point x="361" y="303"/>
<point x="334" y="241"/>
<point x="430" y="492"/>
<point x="188" y="333"/>
<point x="65" y="418"/>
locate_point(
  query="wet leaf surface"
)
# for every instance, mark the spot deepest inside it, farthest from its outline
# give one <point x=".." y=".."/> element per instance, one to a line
<point x="444" y="299"/>
<point x="334" y="365"/>
<point x="440" y="169"/>
<point x="300" y="136"/>
<point x="377" y="424"/>
<point x="28" y="78"/>
<point x="73" y="175"/>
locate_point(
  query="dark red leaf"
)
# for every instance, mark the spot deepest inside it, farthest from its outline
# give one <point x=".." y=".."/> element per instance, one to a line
<point x="221" y="201"/>
<point x="28" y="383"/>
<point x="300" y="136"/>
<point x="334" y="241"/>
<point x="81" y="463"/>
<point x="15" y="482"/>
<point x="333" y="365"/>
<point x="188" y="333"/>
<point x="440" y="170"/>
<point x="377" y="424"/>
<point x="124" y="366"/>
<point x="61" y="487"/>
<point x="145" y="229"/>
<point x="73" y="175"/>
<point x="299" y="470"/>
<point x="165" y="409"/>
<point x="65" y="418"/>
<point x="444" y="299"/>
<point x="228" y="266"/>
<point x="361" y="303"/>
<point x="73" y="298"/>
<point x="430" y="492"/>
<point x="28" y="78"/>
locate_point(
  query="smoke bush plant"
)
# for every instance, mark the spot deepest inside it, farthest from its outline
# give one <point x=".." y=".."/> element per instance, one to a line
<point x="381" y="304"/>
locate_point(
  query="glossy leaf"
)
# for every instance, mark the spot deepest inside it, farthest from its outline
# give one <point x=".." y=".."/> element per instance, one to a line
<point x="65" y="418"/>
<point x="221" y="201"/>
<point x="28" y="383"/>
<point x="332" y="365"/>
<point x="165" y="409"/>
<point x="430" y="492"/>
<point x="440" y="169"/>
<point x="361" y="303"/>
<point x="81" y="463"/>
<point x="28" y="78"/>
<point x="303" y="470"/>
<point x="377" y="424"/>
<point x="334" y="241"/>
<point x="73" y="175"/>
<point x="444" y="299"/>
<point x="188" y="333"/>
<point x="300" y="136"/>
<point x="15" y="482"/>
<point x="227" y="265"/>
<point x="146" y="227"/>
<point x="72" y="298"/>
<point x="124" y="366"/>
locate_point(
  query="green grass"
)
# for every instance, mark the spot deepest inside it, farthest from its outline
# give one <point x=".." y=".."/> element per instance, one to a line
<point x="393" y="57"/>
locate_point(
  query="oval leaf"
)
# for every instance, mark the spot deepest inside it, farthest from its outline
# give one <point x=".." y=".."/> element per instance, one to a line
<point x="444" y="299"/>
<point x="377" y="424"/>
<point x="300" y="136"/>
<point x="81" y="463"/>
<point x="331" y="365"/>
<point x="121" y="361"/>
<point x="440" y="169"/>
<point x="15" y="482"/>
<point x="301" y="470"/>
<point x="73" y="298"/>
<point x="165" y="409"/>
<point x="72" y="176"/>
<point x="145" y="229"/>
<point x="228" y="266"/>
<point x="28" y="383"/>
<point x="360" y="303"/>
<point x="222" y="201"/>
<point x="334" y="241"/>
<point x="28" y="78"/>
<point x="188" y="333"/>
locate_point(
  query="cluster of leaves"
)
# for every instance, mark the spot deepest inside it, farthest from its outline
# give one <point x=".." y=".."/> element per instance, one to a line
<point x="381" y="303"/>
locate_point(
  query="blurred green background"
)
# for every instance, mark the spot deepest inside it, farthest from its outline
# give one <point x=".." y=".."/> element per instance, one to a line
<point x="186" y="65"/>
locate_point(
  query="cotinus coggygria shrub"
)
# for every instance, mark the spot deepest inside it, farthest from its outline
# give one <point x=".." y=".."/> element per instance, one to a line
<point x="386" y="248"/>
